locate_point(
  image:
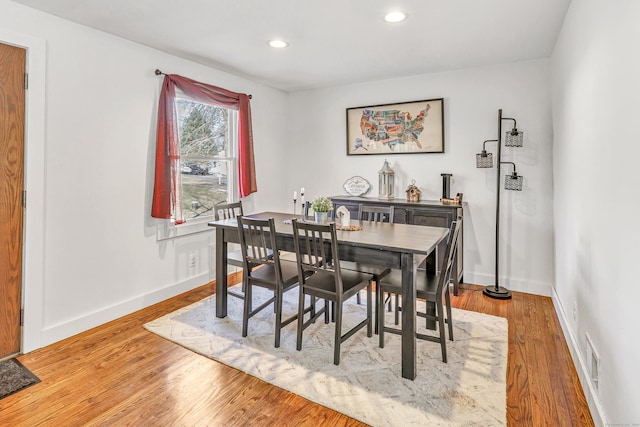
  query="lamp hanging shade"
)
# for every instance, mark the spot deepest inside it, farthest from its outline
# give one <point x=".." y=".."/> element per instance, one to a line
<point x="513" y="138"/>
<point x="484" y="160"/>
<point x="513" y="182"/>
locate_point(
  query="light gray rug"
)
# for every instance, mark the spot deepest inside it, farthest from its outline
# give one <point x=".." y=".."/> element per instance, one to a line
<point x="367" y="385"/>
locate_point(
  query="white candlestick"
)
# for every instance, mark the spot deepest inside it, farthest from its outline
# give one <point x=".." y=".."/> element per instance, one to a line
<point x="295" y="195"/>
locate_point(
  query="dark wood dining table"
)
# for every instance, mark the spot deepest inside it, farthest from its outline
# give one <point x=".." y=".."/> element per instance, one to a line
<point x="400" y="246"/>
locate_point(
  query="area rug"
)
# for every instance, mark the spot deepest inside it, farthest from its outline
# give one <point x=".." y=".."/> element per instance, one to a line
<point x="469" y="390"/>
<point x="15" y="377"/>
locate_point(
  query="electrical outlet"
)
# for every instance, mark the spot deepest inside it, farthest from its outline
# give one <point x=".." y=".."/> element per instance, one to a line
<point x="575" y="311"/>
<point x="193" y="261"/>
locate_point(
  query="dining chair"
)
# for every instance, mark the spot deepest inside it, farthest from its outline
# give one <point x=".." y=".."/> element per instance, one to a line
<point x="224" y="210"/>
<point x="315" y="245"/>
<point x="373" y="214"/>
<point x="306" y="216"/>
<point x="429" y="287"/>
<point x="262" y="267"/>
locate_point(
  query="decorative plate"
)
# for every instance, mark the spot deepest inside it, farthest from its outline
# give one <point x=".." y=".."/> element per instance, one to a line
<point x="356" y="186"/>
<point x="348" y="227"/>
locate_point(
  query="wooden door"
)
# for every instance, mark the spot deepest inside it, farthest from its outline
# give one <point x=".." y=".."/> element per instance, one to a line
<point x="12" y="107"/>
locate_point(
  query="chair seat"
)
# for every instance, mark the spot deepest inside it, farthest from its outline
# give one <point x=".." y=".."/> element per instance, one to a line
<point x="267" y="274"/>
<point x="426" y="284"/>
<point x="378" y="272"/>
<point x="322" y="283"/>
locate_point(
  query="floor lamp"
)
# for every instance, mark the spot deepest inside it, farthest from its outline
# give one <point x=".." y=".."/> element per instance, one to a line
<point x="513" y="181"/>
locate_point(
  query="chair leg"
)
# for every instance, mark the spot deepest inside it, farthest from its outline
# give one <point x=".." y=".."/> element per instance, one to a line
<point x="369" y="301"/>
<point x="338" y="335"/>
<point x="301" y="319"/>
<point x="380" y="310"/>
<point x="447" y="297"/>
<point x="247" y="308"/>
<point x="443" y="341"/>
<point x="278" y="307"/>
<point x="397" y="312"/>
<point x="358" y="301"/>
<point x="379" y="300"/>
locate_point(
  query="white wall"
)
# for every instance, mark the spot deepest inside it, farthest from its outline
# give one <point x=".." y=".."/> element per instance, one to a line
<point x="96" y="254"/>
<point x="318" y="160"/>
<point x="595" y="86"/>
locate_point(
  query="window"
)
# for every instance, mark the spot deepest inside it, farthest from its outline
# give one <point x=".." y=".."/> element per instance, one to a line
<point x="167" y="187"/>
<point x="208" y="141"/>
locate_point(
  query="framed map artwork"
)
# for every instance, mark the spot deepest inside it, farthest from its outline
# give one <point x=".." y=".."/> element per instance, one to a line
<point x="407" y="128"/>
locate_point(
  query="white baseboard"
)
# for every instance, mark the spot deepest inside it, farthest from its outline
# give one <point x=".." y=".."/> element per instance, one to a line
<point x="593" y="400"/>
<point x="513" y="284"/>
<point x="99" y="317"/>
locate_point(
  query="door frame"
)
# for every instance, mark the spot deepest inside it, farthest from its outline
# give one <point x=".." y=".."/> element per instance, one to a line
<point x="33" y="256"/>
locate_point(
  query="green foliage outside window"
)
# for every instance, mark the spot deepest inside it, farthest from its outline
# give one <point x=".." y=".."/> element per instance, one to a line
<point x="203" y="131"/>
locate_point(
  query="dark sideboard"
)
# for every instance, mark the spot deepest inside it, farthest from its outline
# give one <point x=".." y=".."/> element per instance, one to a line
<point x="425" y="212"/>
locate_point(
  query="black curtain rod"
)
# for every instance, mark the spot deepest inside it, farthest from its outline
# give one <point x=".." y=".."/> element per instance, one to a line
<point x="160" y="73"/>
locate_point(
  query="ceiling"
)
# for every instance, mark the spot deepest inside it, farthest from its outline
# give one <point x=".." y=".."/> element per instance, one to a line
<point x="332" y="42"/>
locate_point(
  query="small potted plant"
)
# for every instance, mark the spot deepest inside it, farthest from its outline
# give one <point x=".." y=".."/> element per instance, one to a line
<point x="321" y="207"/>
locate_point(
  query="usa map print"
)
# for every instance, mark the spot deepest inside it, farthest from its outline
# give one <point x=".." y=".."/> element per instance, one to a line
<point x="414" y="127"/>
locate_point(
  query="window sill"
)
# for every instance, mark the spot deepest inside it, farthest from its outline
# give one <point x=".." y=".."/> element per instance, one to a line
<point x="168" y="230"/>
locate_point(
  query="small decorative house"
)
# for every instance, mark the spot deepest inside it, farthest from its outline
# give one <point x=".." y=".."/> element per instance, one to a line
<point x="413" y="192"/>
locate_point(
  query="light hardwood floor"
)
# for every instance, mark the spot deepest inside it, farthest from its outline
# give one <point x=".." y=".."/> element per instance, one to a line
<point x="120" y="374"/>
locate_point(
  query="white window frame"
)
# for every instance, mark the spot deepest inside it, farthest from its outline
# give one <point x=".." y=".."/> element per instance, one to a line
<point x="169" y="229"/>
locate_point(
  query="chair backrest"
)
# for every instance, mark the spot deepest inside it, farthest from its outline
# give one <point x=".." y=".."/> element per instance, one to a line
<point x="447" y="261"/>
<point x="258" y="244"/>
<point x="316" y="245"/>
<point x="225" y="210"/>
<point x="373" y="213"/>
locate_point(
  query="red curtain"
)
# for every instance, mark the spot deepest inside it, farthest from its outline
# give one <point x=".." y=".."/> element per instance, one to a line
<point x="167" y="191"/>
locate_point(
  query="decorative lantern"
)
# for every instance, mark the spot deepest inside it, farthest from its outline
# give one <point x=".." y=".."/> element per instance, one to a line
<point x="385" y="182"/>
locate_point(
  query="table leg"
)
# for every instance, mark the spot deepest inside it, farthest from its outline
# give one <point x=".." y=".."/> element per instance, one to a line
<point x="409" y="358"/>
<point x="221" y="274"/>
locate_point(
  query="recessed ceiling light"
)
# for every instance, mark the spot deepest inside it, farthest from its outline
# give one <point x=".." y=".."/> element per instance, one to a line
<point x="278" y="44"/>
<point x="395" y="17"/>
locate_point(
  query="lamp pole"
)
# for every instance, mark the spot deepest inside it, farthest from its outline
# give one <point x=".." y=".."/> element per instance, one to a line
<point x="498" y="291"/>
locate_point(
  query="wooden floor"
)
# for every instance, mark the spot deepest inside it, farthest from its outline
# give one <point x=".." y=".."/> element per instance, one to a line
<point x="120" y="374"/>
